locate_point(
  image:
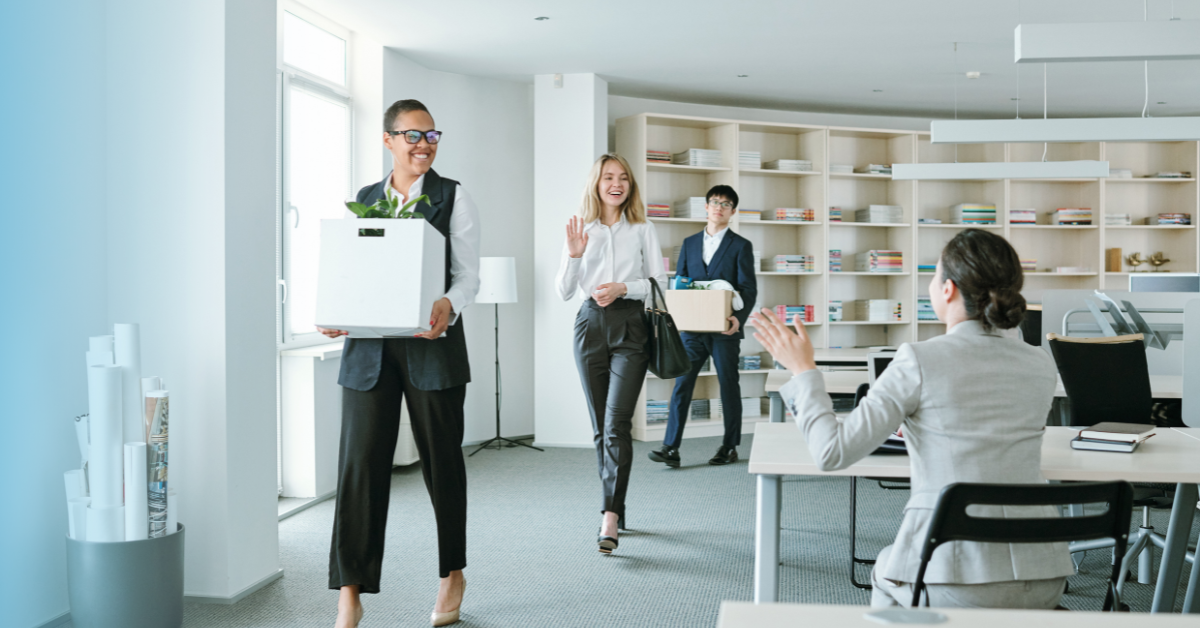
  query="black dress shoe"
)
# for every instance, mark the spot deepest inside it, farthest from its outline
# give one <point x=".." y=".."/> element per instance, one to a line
<point x="668" y="455"/>
<point x="725" y="455"/>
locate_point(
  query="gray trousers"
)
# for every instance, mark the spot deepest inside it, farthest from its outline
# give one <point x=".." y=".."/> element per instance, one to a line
<point x="610" y="351"/>
<point x="1024" y="594"/>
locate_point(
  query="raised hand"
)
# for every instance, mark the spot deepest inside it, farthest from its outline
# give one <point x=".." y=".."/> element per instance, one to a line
<point x="576" y="239"/>
<point x="793" y="350"/>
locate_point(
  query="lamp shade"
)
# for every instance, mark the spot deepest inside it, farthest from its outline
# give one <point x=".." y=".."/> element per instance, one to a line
<point x="497" y="280"/>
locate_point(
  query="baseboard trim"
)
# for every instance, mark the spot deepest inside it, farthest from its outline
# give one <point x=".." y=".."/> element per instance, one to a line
<point x="309" y="504"/>
<point x="55" y="622"/>
<point x="237" y="597"/>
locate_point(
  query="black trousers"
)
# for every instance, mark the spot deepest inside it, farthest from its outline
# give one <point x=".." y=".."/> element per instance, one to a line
<point x="370" y="426"/>
<point x="610" y="352"/>
<point x="724" y="351"/>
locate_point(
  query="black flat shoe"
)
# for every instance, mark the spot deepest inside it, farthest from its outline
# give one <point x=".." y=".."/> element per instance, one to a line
<point x="725" y="455"/>
<point x="667" y="455"/>
<point x="607" y="543"/>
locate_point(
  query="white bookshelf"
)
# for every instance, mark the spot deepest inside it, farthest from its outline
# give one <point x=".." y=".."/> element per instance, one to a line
<point x="1052" y="245"/>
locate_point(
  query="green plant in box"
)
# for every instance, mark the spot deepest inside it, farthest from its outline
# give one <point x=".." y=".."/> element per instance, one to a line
<point x="386" y="207"/>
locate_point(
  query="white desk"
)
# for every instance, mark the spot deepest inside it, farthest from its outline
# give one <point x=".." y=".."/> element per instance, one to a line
<point x="747" y="615"/>
<point x="1170" y="456"/>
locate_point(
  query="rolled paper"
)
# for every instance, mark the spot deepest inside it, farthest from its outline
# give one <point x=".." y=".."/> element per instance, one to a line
<point x="81" y="435"/>
<point x="156" y="453"/>
<point x="172" y="512"/>
<point x="137" y="513"/>
<point x="148" y="384"/>
<point x="77" y="518"/>
<point x="105" y="524"/>
<point x="100" y="358"/>
<point x="127" y="351"/>
<point x="75" y="484"/>
<point x="100" y="343"/>
<point x="106" y="465"/>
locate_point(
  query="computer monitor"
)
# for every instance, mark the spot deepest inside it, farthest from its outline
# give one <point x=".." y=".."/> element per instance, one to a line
<point x="876" y="363"/>
<point x="1164" y="282"/>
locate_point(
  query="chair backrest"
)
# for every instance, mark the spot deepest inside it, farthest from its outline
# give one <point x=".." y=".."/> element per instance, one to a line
<point x="1031" y="325"/>
<point x="951" y="522"/>
<point x="1106" y="378"/>
<point x="861" y="392"/>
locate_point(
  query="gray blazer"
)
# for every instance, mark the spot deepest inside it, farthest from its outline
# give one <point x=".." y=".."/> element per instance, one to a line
<point x="973" y="406"/>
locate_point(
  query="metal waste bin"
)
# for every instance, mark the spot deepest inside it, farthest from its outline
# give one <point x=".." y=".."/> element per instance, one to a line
<point x="126" y="584"/>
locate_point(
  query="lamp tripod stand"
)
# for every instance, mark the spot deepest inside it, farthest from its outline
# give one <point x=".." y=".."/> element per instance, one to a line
<point x="498" y="439"/>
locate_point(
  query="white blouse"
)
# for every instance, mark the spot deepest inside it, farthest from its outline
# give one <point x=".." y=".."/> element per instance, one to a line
<point x="623" y="253"/>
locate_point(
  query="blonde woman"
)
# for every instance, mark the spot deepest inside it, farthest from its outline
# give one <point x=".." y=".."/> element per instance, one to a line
<point x="611" y="255"/>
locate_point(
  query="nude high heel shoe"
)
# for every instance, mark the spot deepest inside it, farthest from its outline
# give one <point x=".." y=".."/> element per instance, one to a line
<point x="449" y="617"/>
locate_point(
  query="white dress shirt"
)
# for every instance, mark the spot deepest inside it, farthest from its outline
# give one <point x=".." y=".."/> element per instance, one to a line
<point x="712" y="243"/>
<point x="464" y="244"/>
<point x="625" y="253"/>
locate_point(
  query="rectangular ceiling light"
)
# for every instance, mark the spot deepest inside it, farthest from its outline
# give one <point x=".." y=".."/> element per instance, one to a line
<point x="1107" y="41"/>
<point x="1181" y="129"/>
<point x="1001" y="170"/>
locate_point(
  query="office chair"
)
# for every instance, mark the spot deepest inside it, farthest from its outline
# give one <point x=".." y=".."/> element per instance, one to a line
<point x="950" y="521"/>
<point x="1031" y="325"/>
<point x="889" y="484"/>
<point x="1107" y="379"/>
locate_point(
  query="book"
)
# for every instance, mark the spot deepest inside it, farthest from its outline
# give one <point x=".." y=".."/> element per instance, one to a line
<point x="880" y="214"/>
<point x="750" y="159"/>
<point x="658" y="157"/>
<point x="698" y="157"/>
<point x="789" y="165"/>
<point x="1113" y="431"/>
<point x="876" y="261"/>
<point x="973" y="214"/>
<point x="1022" y="216"/>
<point x="795" y="214"/>
<point x="1071" y="216"/>
<point x="1086" y="444"/>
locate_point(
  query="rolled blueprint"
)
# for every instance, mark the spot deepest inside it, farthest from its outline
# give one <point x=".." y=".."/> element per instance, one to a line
<point x="148" y="384"/>
<point x="106" y="524"/>
<point x="158" y="409"/>
<point x="127" y="351"/>
<point x="100" y="343"/>
<point x="75" y="484"/>
<point x="77" y="518"/>
<point x="99" y="358"/>
<point x="137" y="513"/>
<point x="172" y="512"/>
<point x="106" y="465"/>
<point x="81" y="435"/>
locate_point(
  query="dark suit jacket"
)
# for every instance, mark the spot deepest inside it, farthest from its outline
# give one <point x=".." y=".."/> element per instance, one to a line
<point x="733" y="262"/>
<point x="432" y="364"/>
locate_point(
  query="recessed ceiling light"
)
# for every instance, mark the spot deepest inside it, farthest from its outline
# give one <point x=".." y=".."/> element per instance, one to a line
<point x="973" y="74"/>
<point x="1014" y="99"/>
<point x="743" y="76"/>
<point x="541" y="19"/>
<point x="877" y="90"/>
<point x="1162" y="102"/>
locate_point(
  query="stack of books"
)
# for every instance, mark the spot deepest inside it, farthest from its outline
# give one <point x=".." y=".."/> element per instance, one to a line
<point x="1170" y="219"/>
<point x="929" y="221"/>
<point x="875" y="169"/>
<point x="835" y="313"/>
<point x="877" y="261"/>
<point x="925" y="310"/>
<point x="789" y="165"/>
<point x="927" y="268"/>
<point x="795" y="264"/>
<point x="749" y="214"/>
<point x="880" y="213"/>
<point x="749" y="363"/>
<point x="1120" y="173"/>
<point x="795" y="214"/>
<point x="841" y="169"/>
<point x="1170" y="175"/>
<point x="807" y="313"/>
<point x="751" y="406"/>
<point x="835" y="260"/>
<point x="751" y="159"/>
<point x="657" y="410"/>
<point x="877" y="310"/>
<point x="698" y="157"/>
<point x="658" y="157"/>
<point x="1072" y="216"/>
<point x="973" y="214"/>
<point x="1022" y="216"/>
<point x="1117" y="220"/>
<point x="1029" y="264"/>
<point x="658" y="210"/>
<point x="675" y="253"/>
<point x="835" y="214"/>
<point x="691" y="207"/>
<point x="1118" y="437"/>
<point x="757" y="263"/>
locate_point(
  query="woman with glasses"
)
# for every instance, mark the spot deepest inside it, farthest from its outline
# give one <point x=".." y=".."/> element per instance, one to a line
<point x="429" y="372"/>
<point x="611" y="255"/>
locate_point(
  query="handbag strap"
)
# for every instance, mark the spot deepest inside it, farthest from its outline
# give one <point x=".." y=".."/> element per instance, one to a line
<point x="656" y="295"/>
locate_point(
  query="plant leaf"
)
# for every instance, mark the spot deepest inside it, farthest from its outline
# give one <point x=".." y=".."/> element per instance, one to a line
<point x="358" y="208"/>
<point x="422" y="198"/>
<point x="417" y="215"/>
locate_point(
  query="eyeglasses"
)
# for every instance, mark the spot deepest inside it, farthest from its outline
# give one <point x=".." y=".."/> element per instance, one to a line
<point x="414" y="137"/>
<point x="722" y="204"/>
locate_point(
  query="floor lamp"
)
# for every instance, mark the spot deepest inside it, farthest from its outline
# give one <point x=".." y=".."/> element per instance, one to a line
<point x="498" y="284"/>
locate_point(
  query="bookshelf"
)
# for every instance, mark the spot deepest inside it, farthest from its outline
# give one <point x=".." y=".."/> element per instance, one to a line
<point x="1053" y="246"/>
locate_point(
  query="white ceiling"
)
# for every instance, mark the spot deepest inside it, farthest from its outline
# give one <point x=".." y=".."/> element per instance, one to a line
<point x="800" y="55"/>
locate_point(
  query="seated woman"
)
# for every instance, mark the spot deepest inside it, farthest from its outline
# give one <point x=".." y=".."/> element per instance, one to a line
<point x="973" y="407"/>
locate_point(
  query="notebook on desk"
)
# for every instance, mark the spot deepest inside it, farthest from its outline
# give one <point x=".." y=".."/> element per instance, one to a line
<point x="1112" y="436"/>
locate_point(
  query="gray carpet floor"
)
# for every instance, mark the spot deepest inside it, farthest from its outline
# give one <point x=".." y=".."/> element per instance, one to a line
<point x="533" y="558"/>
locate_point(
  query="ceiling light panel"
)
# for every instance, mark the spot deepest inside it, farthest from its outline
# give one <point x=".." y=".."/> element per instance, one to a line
<point x="1001" y="170"/>
<point x="1175" y="129"/>
<point x="1107" y="41"/>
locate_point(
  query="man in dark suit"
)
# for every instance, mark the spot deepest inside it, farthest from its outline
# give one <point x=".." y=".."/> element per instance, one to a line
<point x="715" y="253"/>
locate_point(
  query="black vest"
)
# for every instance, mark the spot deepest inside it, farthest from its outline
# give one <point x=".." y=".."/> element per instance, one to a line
<point x="432" y="364"/>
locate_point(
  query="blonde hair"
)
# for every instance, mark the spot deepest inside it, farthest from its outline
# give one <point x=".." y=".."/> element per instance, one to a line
<point x="592" y="206"/>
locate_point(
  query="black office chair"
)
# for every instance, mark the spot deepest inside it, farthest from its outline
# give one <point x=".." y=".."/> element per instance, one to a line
<point x="951" y="522"/>
<point x="1107" y="379"/>
<point x="1031" y="325"/>
<point x="890" y="484"/>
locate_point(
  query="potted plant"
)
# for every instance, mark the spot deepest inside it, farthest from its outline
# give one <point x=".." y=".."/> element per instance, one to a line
<point x="386" y="207"/>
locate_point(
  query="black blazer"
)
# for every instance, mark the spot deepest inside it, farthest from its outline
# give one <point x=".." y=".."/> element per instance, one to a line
<point x="733" y="262"/>
<point x="432" y="364"/>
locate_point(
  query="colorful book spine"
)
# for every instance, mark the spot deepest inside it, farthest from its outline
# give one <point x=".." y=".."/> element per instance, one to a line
<point x="835" y="260"/>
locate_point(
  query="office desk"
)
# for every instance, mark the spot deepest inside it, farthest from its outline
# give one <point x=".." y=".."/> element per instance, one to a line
<point x="845" y="382"/>
<point x="1161" y="387"/>
<point x="1171" y="456"/>
<point x="747" y="615"/>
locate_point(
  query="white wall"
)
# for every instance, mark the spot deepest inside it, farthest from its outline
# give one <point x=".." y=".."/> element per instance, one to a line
<point x="488" y="148"/>
<point x="569" y="134"/>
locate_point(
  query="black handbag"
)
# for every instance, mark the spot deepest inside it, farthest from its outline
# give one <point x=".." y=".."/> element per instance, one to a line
<point x="668" y="358"/>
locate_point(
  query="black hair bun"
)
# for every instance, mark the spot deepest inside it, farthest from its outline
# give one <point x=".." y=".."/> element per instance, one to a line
<point x="1003" y="309"/>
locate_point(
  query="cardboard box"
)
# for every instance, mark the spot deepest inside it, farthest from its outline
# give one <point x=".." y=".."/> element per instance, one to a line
<point x="379" y="283"/>
<point x="704" y="311"/>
